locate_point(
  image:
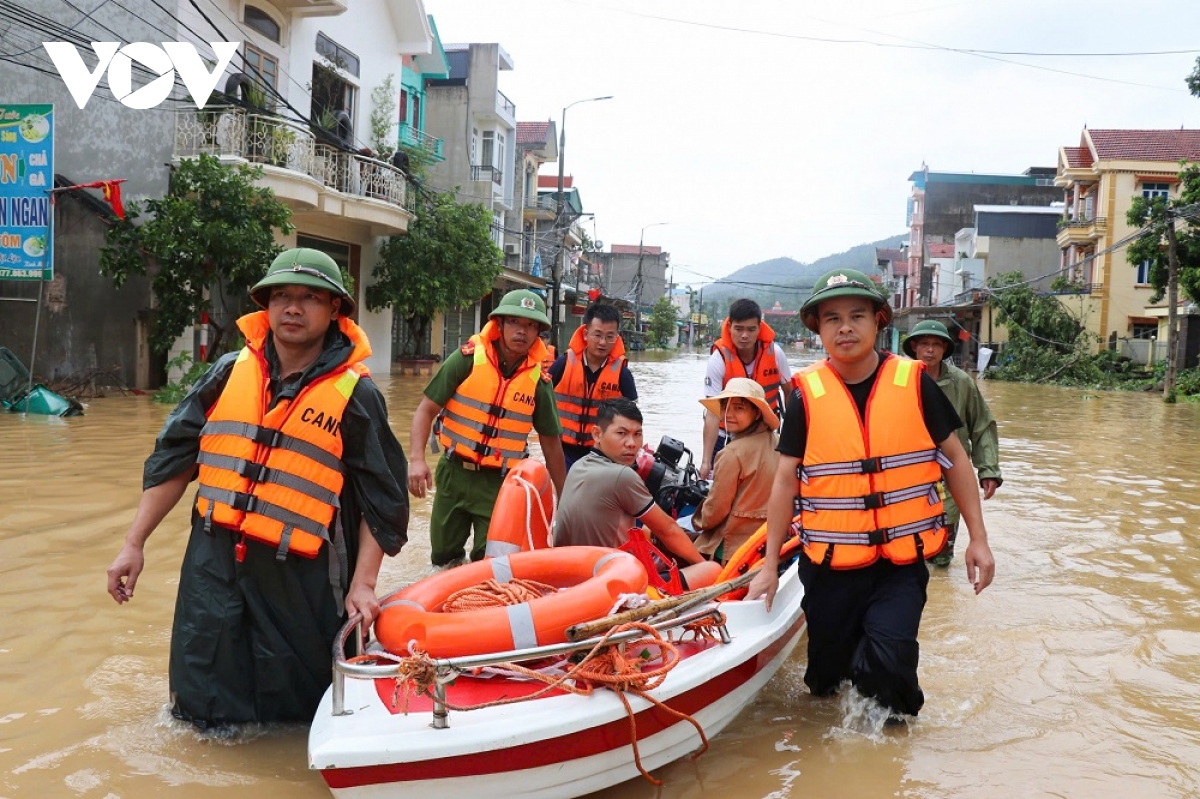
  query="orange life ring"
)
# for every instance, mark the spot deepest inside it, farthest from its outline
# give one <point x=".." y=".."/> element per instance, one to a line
<point x="748" y="556"/>
<point x="524" y="511"/>
<point x="597" y="576"/>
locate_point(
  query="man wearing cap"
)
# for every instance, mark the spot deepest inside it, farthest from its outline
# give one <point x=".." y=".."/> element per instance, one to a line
<point x="746" y="348"/>
<point x="301" y="492"/>
<point x="863" y="447"/>
<point x="487" y="397"/>
<point x="592" y="370"/>
<point x="736" y="504"/>
<point x="930" y="343"/>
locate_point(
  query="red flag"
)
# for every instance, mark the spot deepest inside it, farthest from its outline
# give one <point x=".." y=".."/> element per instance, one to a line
<point x="111" y="189"/>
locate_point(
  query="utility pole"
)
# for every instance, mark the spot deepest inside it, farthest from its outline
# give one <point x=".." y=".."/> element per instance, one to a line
<point x="1172" y="313"/>
<point x="563" y="221"/>
<point x="638" y="281"/>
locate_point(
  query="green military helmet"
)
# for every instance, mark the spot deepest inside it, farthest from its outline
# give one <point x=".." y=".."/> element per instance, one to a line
<point x="303" y="266"/>
<point x="843" y="283"/>
<point x="928" y="327"/>
<point x="525" y="304"/>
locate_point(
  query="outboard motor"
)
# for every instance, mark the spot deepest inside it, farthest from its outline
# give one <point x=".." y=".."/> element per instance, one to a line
<point x="677" y="489"/>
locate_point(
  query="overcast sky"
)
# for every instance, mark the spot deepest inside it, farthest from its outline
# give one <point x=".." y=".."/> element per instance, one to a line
<point x="733" y="123"/>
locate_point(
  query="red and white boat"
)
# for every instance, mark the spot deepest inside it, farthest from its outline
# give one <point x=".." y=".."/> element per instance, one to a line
<point x="557" y="745"/>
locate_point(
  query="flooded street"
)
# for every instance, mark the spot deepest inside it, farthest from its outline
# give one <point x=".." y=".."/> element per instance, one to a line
<point x="1072" y="676"/>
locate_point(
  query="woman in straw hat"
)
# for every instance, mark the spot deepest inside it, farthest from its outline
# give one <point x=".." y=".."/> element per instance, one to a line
<point x="736" y="504"/>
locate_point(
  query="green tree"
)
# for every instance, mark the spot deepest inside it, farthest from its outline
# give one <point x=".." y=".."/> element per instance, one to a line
<point x="446" y="261"/>
<point x="1173" y="254"/>
<point x="1044" y="339"/>
<point x="211" y="237"/>
<point x="662" y="322"/>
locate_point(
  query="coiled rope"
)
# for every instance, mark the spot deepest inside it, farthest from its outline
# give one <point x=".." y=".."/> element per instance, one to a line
<point x="622" y="667"/>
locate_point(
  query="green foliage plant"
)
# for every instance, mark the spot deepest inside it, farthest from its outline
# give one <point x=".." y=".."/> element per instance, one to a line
<point x="193" y="370"/>
<point x="384" y="138"/>
<point x="662" y="321"/>
<point x="446" y="261"/>
<point x="205" y="243"/>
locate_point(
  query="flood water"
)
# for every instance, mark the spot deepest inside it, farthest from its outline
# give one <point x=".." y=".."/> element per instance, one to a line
<point x="1072" y="676"/>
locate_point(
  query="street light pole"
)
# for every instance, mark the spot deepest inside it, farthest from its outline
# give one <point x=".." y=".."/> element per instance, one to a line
<point x="561" y="219"/>
<point x="637" y="280"/>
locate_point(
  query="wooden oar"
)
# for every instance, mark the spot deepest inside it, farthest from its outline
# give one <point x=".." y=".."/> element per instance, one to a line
<point x="663" y="609"/>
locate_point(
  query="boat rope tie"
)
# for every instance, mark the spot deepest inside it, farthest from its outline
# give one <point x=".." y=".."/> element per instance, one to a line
<point x="492" y="594"/>
<point x="531" y="501"/>
<point x="622" y="668"/>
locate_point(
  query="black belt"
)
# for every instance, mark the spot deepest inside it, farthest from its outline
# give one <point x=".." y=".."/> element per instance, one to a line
<point x="470" y="466"/>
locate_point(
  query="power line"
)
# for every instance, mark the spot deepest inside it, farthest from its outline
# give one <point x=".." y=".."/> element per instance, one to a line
<point x="914" y="44"/>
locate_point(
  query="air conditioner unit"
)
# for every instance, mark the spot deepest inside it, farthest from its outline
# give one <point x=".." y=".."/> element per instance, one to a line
<point x="511" y="249"/>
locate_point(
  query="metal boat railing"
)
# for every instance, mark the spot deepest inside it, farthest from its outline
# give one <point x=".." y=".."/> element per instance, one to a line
<point x="449" y="668"/>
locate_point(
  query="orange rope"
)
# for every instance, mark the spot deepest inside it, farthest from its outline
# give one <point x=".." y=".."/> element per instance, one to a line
<point x="619" y="667"/>
<point x="491" y="594"/>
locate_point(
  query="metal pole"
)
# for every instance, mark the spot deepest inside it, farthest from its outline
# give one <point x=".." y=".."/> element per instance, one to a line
<point x="562" y="219"/>
<point x="37" y="314"/>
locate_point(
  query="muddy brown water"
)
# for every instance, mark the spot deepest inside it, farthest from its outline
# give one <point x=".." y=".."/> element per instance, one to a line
<point x="1074" y="675"/>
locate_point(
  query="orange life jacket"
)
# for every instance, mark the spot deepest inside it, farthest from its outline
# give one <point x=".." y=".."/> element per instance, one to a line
<point x="870" y="489"/>
<point x="766" y="370"/>
<point x="275" y="474"/>
<point x="576" y="403"/>
<point x="488" y="420"/>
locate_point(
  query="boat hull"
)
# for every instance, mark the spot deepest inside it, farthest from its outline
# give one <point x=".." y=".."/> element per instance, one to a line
<point x="557" y="746"/>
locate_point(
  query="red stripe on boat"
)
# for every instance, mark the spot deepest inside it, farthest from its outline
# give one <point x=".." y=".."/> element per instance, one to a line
<point x="593" y="741"/>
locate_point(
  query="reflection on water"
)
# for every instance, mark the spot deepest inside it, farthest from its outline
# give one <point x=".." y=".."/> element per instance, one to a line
<point x="1073" y="675"/>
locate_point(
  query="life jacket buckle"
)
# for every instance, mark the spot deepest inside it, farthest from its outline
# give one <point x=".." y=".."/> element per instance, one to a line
<point x="877" y="538"/>
<point x="870" y="465"/>
<point x="254" y="472"/>
<point x="268" y="436"/>
<point x="873" y="501"/>
<point x="246" y="503"/>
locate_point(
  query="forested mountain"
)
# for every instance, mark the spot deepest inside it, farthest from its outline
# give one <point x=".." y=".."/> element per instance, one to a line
<point x="788" y="281"/>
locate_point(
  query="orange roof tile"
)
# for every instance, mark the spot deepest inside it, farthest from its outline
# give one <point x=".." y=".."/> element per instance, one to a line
<point x="1145" y="145"/>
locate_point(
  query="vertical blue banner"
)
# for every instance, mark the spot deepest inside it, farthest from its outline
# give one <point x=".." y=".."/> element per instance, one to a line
<point x="26" y="176"/>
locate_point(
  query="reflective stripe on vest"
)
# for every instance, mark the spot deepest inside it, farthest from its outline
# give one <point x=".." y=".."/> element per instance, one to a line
<point x="869" y="486"/>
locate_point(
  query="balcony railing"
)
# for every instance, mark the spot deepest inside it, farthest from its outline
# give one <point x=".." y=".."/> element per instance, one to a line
<point x="412" y="137"/>
<point x="543" y="203"/>
<point x="487" y="173"/>
<point x="506" y="105"/>
<point x="277" y="142"/>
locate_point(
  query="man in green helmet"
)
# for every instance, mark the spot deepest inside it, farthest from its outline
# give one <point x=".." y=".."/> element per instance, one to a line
<point x="930" y="343"/>
<point x="301" y="492"/>
<point x="487" y="398"/>
<point x="865" y="441"/>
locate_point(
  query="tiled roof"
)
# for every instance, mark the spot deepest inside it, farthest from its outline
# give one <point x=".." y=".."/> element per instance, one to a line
<point x="1078" y="157"/>
<point x="900" y="268"/>
<point x="940" y="250"/>
<point x="532" y="132"/>
<point x="889" y="254"/>
<point x="551" y="181"/>
<point x="633" y="249"/>
<point x="1145" y="145"/>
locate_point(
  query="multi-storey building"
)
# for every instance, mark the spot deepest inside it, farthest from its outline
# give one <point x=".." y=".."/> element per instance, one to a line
<point x="478" y="125"/>
<point x="942" y="203"/>
<point x="296" y="101"/>
<point x="1100" y="177"/>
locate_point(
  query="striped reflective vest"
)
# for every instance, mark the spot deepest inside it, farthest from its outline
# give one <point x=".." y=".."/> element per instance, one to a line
<point x="489" y="418"/>
<point x="576" y="402"/>
<point x="869" y="490"/>
<point x="766" y="371"/>
<point x="275" y="474"/>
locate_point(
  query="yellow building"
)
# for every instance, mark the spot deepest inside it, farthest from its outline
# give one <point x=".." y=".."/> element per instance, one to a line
<point x="1100" y="178"/>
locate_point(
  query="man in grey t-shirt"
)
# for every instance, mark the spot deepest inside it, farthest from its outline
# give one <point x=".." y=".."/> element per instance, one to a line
<point x="603" y="496"/>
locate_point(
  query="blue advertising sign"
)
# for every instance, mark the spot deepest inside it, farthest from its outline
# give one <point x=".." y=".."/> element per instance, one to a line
<point x="26" y="176"/>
